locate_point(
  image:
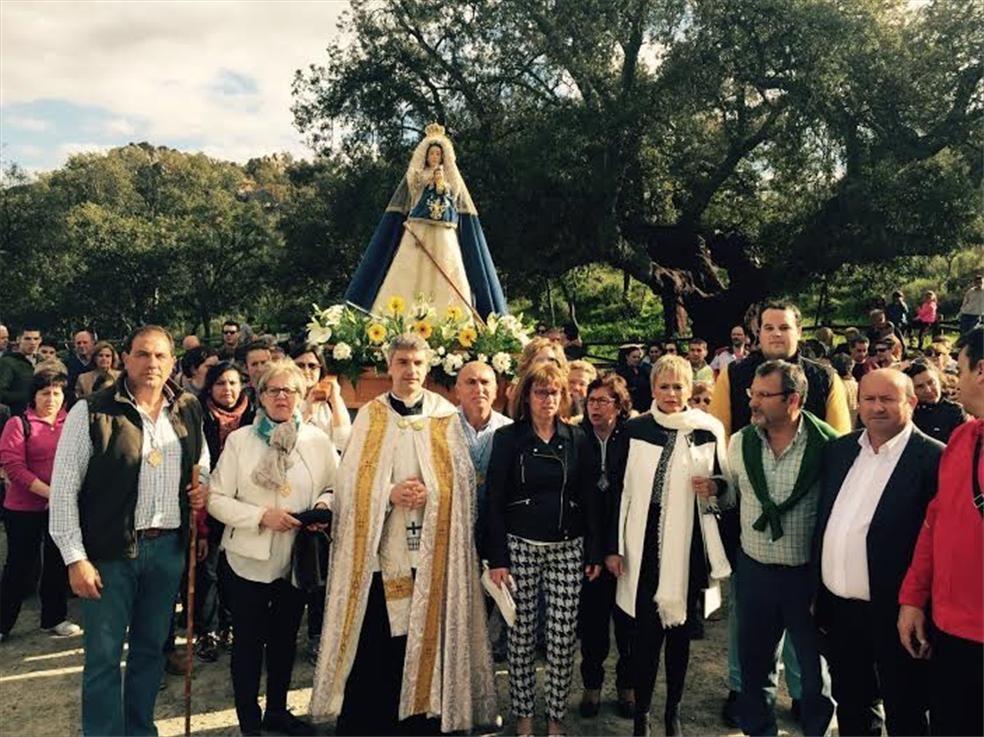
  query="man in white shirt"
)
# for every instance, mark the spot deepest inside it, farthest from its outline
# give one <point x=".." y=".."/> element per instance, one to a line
<point x="734" y="352"/>
<point x="122" y="492"/>
<point x="875" y="487"/>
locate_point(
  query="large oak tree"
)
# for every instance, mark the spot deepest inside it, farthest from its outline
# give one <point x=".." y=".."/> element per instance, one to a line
<point x="718" y="151"/>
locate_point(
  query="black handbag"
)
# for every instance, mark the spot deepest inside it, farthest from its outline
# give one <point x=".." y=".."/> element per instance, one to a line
<point x="309" y="559"/>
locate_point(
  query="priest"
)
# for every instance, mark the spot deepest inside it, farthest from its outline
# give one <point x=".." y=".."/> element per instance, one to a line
<point x="404" y="647"/>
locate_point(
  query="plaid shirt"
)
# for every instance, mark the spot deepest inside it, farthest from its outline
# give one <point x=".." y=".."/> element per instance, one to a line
<point x="157" y="488"/>
<point x="793" y="548"/>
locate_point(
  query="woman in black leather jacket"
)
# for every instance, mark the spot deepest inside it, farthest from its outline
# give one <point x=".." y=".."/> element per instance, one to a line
<point x="543" y="529"/>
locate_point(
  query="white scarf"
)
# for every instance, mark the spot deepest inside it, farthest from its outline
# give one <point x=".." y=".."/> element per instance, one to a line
<point x="677" y="509"/>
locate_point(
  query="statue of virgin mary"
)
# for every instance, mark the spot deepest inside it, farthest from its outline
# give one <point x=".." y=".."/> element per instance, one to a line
<point x="429" y="241"/>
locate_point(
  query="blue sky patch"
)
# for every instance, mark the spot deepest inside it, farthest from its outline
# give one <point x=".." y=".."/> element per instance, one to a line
<point x="39" y="135"/>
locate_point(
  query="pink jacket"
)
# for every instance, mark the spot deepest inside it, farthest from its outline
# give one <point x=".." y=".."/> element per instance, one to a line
<point x="26" y="460"/>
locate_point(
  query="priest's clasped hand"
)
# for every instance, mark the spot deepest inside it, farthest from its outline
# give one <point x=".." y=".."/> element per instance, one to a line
<point x="410" y="493"/>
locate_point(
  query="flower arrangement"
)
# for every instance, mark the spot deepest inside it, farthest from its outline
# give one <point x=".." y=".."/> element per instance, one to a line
<point x="353" y="340"/>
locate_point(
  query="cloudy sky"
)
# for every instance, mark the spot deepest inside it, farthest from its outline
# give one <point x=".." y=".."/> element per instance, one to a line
<point x="202" y="75"/>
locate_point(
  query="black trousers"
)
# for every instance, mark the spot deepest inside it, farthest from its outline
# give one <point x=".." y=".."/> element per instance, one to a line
<point x="867" y="660"/>
<point x="265" y="618"/>
<point x="647" y="643"/>
<point x="597" y="608"/>
<point x="315" y="612"/>
<point x="371" y="705"/>
<point x="957" y="693"/>
<point x="27" y="541"/>
<point x="211" y="605"/>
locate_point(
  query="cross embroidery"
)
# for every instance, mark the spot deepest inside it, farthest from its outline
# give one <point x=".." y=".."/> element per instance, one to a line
<point x="413" y="535"/>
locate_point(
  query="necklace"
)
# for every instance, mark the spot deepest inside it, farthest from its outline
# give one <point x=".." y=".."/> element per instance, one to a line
<point x="156" y="456"/>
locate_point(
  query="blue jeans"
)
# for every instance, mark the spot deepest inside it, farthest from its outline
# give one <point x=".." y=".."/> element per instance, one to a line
<point x="137" y="593"/>
<point x="790" y="664"/>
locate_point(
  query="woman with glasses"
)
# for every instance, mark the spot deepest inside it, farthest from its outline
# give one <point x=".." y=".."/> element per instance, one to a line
<point x="664" y="545"/>
<point x="702" y="396"/>
<point x="543" y="529"/>
<point x="268" y="472"/>
<point x="607" y="408"/>
<point x="322" y="404"/>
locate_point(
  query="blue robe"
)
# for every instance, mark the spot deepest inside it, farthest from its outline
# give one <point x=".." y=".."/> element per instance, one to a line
<point x="486" y="292"/>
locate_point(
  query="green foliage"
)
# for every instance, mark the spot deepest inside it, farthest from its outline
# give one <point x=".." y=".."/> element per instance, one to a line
<point x="139" y="234"/>
<point x="820" y="132"/>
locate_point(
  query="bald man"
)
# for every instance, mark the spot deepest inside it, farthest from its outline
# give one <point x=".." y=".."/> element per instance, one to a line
<point x="476" y="389"/>
<point x="190" y="341"/>
<point x="875" y="486"/>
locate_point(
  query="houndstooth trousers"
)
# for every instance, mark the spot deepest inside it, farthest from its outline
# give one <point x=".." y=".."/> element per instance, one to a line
<point x="558" y="568"/>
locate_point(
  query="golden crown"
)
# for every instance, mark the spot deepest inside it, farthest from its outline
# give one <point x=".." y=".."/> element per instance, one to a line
<point x="434" y="129"/>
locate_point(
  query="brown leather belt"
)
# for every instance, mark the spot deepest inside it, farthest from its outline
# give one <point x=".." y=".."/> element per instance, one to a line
<point x="151" y="532"/>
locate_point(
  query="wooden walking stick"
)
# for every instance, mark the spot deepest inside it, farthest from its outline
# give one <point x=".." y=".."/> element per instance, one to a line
<point x="442" y="272"/>
<point x="190" y="604"/>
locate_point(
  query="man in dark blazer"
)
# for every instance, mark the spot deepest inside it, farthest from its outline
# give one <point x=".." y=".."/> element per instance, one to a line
<point x="875" y="486"/>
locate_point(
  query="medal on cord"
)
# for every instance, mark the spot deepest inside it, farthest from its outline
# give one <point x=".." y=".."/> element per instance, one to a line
<point x="155" y="457"/>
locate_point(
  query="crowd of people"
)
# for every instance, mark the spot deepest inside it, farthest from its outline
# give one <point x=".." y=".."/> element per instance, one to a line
<point x="832" y="485"/>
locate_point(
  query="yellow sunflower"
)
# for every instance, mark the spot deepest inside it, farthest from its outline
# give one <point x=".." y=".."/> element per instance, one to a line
<point x="454" y="313"/>
<point x="466" y="337"/>
<point x="396" y="305"/>
<point x="376" y="333"/>
<point x="423" y="329"/>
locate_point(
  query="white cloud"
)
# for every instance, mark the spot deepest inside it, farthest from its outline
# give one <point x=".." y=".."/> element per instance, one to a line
<point x="120" y="127"/>
<point x="70" y="148"/>
<point x="27" y="123"/>
<point x="164" y="68"/>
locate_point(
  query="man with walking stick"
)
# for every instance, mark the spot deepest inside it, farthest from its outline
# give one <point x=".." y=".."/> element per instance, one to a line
<point x="122" y="492"/>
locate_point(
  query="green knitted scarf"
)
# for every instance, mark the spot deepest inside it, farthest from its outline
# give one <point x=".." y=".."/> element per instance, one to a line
<point x="818" y="432"/>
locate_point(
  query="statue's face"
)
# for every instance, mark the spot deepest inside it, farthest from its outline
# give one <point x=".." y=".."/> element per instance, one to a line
<point x="435" y="156"/>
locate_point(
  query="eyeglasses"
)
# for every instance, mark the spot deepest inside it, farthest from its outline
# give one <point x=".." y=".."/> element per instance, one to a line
<point x="309" y="366"/>
<point x="280" y="391"/>
<point x="600" y="400"/>
<point x="764" y="395"/>
<point x="700" y="400"/>
<point x="546" y="393"/>
<point x="229" y="332"/>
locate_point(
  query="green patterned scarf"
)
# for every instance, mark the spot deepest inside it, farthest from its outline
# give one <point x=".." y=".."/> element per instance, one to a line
<point x="818" y="432"/>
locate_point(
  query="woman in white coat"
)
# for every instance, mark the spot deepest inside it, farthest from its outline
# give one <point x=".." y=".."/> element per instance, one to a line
<point x="268" y="471"/>
<point x="664" y="545"/>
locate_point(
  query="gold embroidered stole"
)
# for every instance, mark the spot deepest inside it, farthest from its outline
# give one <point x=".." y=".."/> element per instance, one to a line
<point x="433" y="622"/>
<point x="368" y="464"/>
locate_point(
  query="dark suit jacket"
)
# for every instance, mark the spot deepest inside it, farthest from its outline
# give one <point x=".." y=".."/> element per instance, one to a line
<point x="897" y="520"/>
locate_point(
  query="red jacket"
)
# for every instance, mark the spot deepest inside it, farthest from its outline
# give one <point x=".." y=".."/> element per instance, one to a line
<point x="948" y="564"/>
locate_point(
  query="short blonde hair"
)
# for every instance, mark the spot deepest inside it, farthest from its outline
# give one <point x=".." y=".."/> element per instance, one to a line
<point x="535" y="346"/>
<point x="673" y="364"/>
<point x="295" y="379"/>
<point x="703" y="387"/>
<point x="584" y="366"/>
